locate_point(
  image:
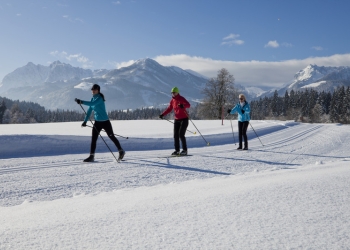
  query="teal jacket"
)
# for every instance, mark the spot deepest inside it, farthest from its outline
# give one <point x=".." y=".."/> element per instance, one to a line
<point x="242" y="117"/>
<point x="97" y="104"/>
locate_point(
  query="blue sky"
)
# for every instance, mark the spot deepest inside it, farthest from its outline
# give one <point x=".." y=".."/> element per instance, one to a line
<point x="262" y="43"/>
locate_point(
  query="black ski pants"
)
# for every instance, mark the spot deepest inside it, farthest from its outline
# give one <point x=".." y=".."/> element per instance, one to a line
<point x="107" y="126"/>
<point x="180" y="127"/>
<point x="242" y="132"/>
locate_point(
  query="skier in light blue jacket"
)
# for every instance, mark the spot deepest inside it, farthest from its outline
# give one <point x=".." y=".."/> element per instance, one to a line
<point x="243" y="110"/>
<point x="97" y="104"/>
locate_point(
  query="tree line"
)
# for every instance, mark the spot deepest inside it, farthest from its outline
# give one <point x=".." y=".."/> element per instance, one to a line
<point x="305" y="106"/>
<point x="12" y="112"/>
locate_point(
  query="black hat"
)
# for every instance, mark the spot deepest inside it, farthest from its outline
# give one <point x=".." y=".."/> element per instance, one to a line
<point x="95" y="86"/>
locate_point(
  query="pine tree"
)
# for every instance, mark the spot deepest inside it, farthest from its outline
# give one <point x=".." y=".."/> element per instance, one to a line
<point x="16" y="114"/>
<point x="285" y="104"/>
<point x="347" y="105"/>
<point x="2" y="109"/>
<point x="333" y="111"/>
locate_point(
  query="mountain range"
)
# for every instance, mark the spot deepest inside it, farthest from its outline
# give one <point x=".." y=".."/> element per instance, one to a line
<point x="319" y="78"/>
<point x="145" y="83"/>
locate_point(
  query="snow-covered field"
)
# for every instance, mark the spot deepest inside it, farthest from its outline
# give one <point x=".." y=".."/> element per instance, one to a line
<point x="291" y="193"/>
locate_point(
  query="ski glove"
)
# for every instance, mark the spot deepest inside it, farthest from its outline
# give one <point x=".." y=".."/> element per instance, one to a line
<point x="229" y="111"/>
<point x="78" y="101"/>
<point x="161" y="116"/>
<point x="181" y="105"/>
<point x="83" y="124"/>
<point x="243" y="111"/>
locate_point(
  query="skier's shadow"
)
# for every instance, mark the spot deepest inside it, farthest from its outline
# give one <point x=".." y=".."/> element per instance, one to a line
<point x="170" y="166"/>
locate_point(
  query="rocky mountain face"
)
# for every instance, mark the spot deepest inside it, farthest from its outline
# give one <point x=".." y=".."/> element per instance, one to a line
<point x="143" y="84"/>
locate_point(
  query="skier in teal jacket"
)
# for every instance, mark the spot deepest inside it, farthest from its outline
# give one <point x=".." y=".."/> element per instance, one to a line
<point x="243" y="110"/>
<point x="97" y="104"/>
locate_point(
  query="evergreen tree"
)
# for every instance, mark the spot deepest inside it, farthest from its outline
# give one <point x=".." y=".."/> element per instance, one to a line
<point x="16" y="115"/>
<point x="274" y="104"/>
<point x="2" y="110"/>
<point x="286" y="102"/>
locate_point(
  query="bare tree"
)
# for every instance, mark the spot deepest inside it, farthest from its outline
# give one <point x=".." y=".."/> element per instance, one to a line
<point x="219" y="93"/>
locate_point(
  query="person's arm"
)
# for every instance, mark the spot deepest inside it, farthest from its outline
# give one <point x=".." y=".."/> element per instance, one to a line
<point x="169" y="109"/>
<point x="94" y="102"/>
<point x="88" y="113"/>
<point x="235" y="109"/>
<point x="246" y="108"/>
<point x="184" y="103"/>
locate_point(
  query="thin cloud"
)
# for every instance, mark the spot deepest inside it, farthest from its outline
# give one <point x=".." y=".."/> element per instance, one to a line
<point x="79" y="20"/>
<point x="272" y="44"/>
<point x="18" y="14"/>
<point x="62" y="5"/>
<point x="116" y="3"/>
<point x="73" y="20"/>
<point x="232" y="39"/>
<point x="79" y="58"/>
<point x="252" y="73"/>
<point x="119" y="65"/>
<point x="288" y="45"/>
<point x="317" y="48"/>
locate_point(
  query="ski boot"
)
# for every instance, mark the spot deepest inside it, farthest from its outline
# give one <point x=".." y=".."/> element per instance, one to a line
<point x="183" y="153"/>
<point x="121" y="154"/>
<point x="175" y="153"/>
<point x="91" y="158"/>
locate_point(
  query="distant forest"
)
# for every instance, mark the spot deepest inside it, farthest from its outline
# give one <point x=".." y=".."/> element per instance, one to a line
<point x="304" y="106"/>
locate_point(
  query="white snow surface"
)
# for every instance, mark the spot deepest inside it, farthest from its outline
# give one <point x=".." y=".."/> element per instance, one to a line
<point x="314" y="85"/>
<point x="290" y="190"/>
<point x="84" y="86"/>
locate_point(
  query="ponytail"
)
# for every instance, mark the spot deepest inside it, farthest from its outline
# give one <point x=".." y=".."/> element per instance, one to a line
<point x="103" y="97"/>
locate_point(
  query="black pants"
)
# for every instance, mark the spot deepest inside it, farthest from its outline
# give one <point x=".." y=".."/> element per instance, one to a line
<point x="180" y="127"/>
<point x="242" y="132"/>
<point x="107" y="126"/>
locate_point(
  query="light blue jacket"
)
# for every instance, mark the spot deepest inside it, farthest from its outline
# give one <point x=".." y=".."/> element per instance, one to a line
<point x="97" y="104"/>
<point x="242" y="117"/>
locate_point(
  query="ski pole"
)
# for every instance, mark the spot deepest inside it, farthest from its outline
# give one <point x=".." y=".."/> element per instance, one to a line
<point x="208" y="144"/>
<point x="99" y="133"/>
<point x="256" y="134"/>
<point x="114" y="134"/>
<point x="187" y="129"/>
<point x="233" y="134"/>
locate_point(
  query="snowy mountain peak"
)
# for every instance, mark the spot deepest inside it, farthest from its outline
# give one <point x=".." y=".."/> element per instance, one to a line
<point x="310" y="74"/>
<point x="146" y="63"/>
<point x="319" y="78"/>
<point x="58" y="63"/>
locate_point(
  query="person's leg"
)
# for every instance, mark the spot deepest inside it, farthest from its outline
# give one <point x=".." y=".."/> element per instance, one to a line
<point x="244" y="132"/>
<point x="95" y="132"/>
<point x="109" y="130"/>
<point x="107" y="126"/>
<point x="177" y="125"/>
<point x="240" y="128"/>
<point x="183" y="128"/>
